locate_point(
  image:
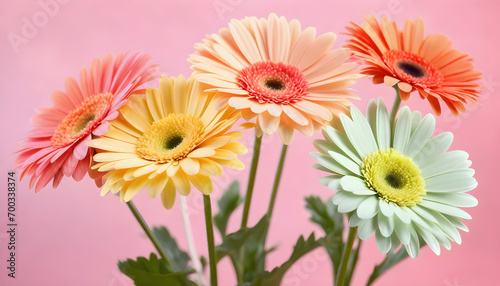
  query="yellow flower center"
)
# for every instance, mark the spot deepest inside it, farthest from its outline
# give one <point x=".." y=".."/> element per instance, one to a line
<point x="170" y="138"/>
<point x="395" y="177"/>
<point x="81" y="121"/>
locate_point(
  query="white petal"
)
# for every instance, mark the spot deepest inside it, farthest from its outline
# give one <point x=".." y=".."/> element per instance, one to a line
<point x="454" y="181"/>
<point x="434" y="147"/>
<point x="385" y="224"/>
<point x="350" y="202"/>
<point x="428" y="238"/>
<point x="383" y="126"/>
<point x="326" y="180"/>
<point x="355" y="136"/>
<point x="346" y="162"/>
<point x="402" y="214"/>
<point x="402" y="129"/>
<point x="368" y="208"/>
<point x="449" y="161"/>
<point x="366" y="228"/>
<point x="445" y="209"/>
<point x="385" y="208"/>
<point x="453" y="199"/>
<point x="383" y="243"/>
<point x="402" y="230"/>
<point x="421" y="136"/>
<point x="332" y="165"/>
<point x="344" y="144"/>
<point x="363" y="125"/>
<point x="413" y="247"/>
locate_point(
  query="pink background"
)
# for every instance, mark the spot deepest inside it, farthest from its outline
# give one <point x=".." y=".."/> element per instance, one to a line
<point x="72" y="236"/>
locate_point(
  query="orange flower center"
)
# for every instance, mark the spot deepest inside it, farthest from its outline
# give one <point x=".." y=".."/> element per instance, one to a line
<point x="81" y="121"/>
<point x="413" y="69"/>
<point x="273" y="82"/>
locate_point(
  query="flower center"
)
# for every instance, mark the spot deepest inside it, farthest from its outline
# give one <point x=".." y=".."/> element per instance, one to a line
<point x="81" y="121"/>
<point x="413" y="69"/>
<point x="170" y="138"/>
<point x="273" y="82"/>
<point x="395" y="177"/>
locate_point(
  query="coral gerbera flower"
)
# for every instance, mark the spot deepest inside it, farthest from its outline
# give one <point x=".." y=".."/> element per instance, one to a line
<point x="412" y="62"/>
<point x="401" y="184"/>
<point x="168" y="139"/>
<point x="57" y="145"/>
<point x="272" y="70"/>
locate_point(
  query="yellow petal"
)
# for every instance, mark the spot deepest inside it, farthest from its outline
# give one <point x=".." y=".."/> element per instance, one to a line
<point x="190" y="166"/>
<point x="202" y="183"/>
<point x="201" y="153"/>
<point x="168" y="195"/>
<point x="156" y="185"/>
<point x="181" y="183"/>
<point x="209" y="167"/>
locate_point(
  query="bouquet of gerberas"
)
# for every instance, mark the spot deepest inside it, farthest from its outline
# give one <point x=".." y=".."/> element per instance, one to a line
<point x="391" y="176"/>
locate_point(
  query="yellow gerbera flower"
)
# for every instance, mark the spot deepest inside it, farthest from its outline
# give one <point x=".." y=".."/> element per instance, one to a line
<point x="168" y="139"/>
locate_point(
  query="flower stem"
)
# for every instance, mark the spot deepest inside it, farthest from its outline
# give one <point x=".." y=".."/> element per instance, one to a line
<point x="277" y="179"/>
<point x="210" y="240"/>
<point x="251" y="180"/>
<point x="395" y="106"/>
<point x="189" y="238"/>
<point x="148" y="231"/>
<point x="344" y="262"/>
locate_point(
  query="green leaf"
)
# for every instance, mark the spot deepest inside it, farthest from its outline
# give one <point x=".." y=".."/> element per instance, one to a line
<point x="229" y="201"/>
<point x="178" y="257"/>
<point x="391" y="259"/>
<point x="276" y="275"/>
<point x="325" y="215"/>
<point x="232" y="243"/>
<point x="153" y="272"/>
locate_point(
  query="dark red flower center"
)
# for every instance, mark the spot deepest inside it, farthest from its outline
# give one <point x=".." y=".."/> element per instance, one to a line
<point x="273" y="82"/>
<point x="413" y="69"/>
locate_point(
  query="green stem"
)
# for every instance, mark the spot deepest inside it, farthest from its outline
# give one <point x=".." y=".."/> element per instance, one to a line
<point x="277" y="181"/>
<point x="344" y="262"/>
<point x="251" y="180"/>
<point x="210" y="240"/>
<point x="395" y="106"/>
<point x="148" y="231"/>
<point x="274" y="192"/>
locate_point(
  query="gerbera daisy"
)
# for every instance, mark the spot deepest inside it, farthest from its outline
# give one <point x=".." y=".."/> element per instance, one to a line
<point x="168" y="139"/>
<point x="412" y="62"/>
<point x="272" y="70"/>
<point x="57" y="145"/>
<point x="402" y="185"/>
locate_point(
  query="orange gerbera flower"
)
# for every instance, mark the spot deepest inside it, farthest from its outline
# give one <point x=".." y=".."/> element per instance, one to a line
<point x="271" y="69"/>
<point x="412" y="62"/>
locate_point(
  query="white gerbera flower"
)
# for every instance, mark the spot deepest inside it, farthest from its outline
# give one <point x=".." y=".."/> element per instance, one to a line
<point x="401" y="184"/>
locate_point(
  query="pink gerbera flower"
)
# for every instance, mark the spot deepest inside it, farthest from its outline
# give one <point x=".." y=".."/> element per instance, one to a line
<point x="57" y="145"/>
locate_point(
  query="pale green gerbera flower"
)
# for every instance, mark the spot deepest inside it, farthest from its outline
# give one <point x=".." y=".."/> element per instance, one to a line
<point x="400" y="184"/>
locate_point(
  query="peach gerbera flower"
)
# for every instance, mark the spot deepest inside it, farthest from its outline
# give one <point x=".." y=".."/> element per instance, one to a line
<point x="412" y="62"/>
<point x="57" y="145"/>
<point x="272" y="70"/>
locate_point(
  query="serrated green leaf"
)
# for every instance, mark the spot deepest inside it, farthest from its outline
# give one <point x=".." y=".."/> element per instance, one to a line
<point x="229" y="201"/>
<point x="325" y="215"/>
<point x="276" y="275"/>
<point x="153" y="272"/>
<point x="391" y="259"/>
<point x="232" y="243"/>
<point x="178" y="257"/>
